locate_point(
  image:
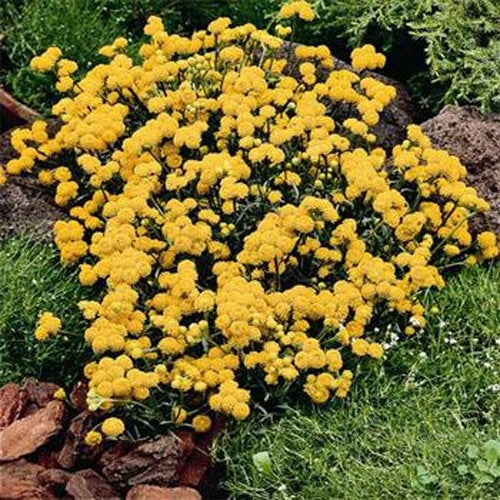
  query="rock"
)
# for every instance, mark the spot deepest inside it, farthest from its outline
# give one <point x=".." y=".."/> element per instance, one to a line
<point x="24" y="436"/>
<point x="73" y="442"/>
<point x="474" y="138"/>
<point x="46" y="456"/>
<point x="39" y="393"/>
<point x="197" y="470"/>
<point x="19" y="480"/>
<point x="78" y="396"/>
<point x="149" y="492"/>
<point x="88" y="485"/>
<point x="54" y="477"/>
<point x="12" y="404"/>
<point x="155" y="462"/>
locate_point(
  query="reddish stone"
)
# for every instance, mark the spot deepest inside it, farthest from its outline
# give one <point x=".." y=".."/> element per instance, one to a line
<point x="155" y="462"/>
<point x="78" y="396"/>
<point x="198" y="466"/>
<point x="73" y="446"/>
<point x="53" y="477"/>
<point x="39" y="393"/>
<point x="12" y="404"/>
<point x="46" y="457"/>
<point x="24" y="436"/>
<point x="88" y="485"/>
<point x="150" y="492"/>
<point x="19" y="480"/>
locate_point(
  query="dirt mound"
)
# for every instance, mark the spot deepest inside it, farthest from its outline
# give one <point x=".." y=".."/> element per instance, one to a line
<point x="25" y="205"/>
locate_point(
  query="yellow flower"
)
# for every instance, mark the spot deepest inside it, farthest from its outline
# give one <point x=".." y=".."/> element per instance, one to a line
<point x="179" y="414"/>
<point x="302" y="9"/>
<point x="60" y="394"/>
<point x="367" y="58"/>
<point x="375" y="350"/>
<point x="113" y="427"/>
<point x="201" y="423"/>
<point x="48" y="325"/>
<point x="93" y="438"/>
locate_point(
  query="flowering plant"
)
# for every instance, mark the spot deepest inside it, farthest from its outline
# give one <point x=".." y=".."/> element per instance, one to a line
<point x="233" y="226"/>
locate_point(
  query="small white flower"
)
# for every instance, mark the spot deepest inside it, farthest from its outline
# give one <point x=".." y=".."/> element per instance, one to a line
<point x="414" y="321"/>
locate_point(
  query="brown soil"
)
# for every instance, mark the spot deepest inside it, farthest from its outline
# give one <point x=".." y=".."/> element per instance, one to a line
<point x="25" y="205"/>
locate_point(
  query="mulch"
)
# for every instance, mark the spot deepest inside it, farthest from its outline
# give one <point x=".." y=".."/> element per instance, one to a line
<point x="42" y="442"/>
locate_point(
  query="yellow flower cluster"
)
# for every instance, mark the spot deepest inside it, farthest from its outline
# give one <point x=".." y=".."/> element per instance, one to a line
<point x="238" y="229"/>
<point x="47" y="60"/>
<point x="48" y="326"/>
<point x="300" y="8"/>
<point x="367" y="58"/>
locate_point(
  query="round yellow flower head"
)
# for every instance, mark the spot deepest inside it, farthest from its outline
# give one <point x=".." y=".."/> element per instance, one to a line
<point x="367" y="58"/>
<point x="93" y="438"/>
<point x="302" y="9"/>
<point x="113" y="427"/>
<point x="48" y="325"/>
<point x="201" y="423"/>
<point x="60" y="394"/>
<point x="179" y="414"/>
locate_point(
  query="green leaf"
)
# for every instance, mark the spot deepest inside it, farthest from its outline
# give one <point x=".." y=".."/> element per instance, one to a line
<point x="472" y="451"/>
<point x="462" y="469"/>
<point x="483" y="465"/>
<point x="485" y="480"/>
<point x="491" y="450"/>
<point x="262" y="462"/>
<point x="495" y="471"/>
<point x="421" y="471"/>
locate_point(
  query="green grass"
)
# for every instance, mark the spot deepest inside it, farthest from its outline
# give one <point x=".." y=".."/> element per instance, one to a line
<point x="404" y="430"/>
<point x="32" y="281"/>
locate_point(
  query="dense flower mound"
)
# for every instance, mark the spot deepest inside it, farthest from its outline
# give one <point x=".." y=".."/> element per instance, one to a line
<point x="238" y="230"/>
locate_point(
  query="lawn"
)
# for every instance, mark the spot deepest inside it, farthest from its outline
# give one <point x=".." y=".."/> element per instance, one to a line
<point x="405" y="429"/>
<point x="32" y="281"/>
